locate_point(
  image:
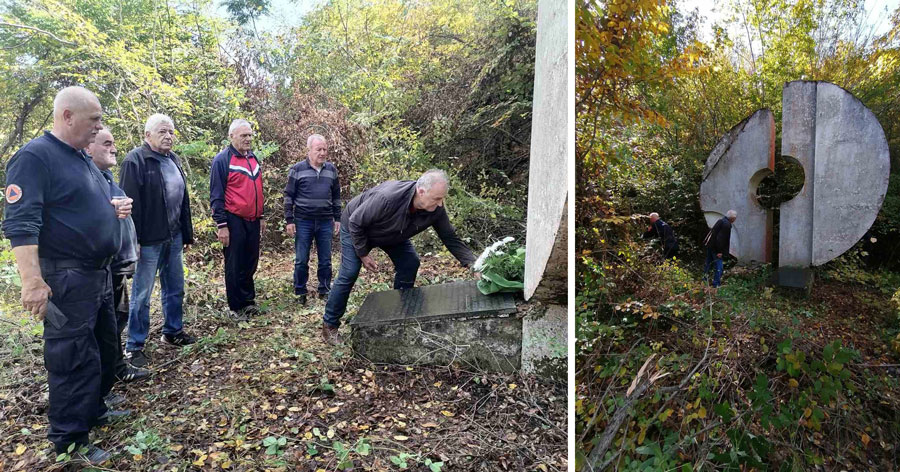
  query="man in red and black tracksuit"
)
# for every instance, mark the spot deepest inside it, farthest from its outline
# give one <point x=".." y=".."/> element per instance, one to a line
<point x="236" y="199"/>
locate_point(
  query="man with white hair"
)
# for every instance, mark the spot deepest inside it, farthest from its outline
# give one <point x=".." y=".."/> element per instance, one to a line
<point x="312" y="210"/>
<point x="236" y="199"/>
<point x="63" y="226"/>
<point x="660" y="229"/>
<point x="718" y="244"/>
<point x="386" y="217"/>
<point x="103" y="153"/>
<point x="152" y="175"/>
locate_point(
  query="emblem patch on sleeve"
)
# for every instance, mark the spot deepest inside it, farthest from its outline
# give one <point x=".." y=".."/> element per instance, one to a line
<point x="13" y="193"/>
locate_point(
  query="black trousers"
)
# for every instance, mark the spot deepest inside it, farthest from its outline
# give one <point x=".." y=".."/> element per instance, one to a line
<point x="80" y="356"/>
<point x="241" y="260"/>
<point x="120" y="302"/>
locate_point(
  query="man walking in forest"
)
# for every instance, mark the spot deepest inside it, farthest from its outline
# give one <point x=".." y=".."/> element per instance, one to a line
<point x="152" y="175"/>
<point x="312" y="209"/>
<point x="660" y="229"/>
<point x="386" y="217"/>
<point x="103" y="153"/>
<point x="718" y="242"/>
<point x="236" y="199"/>
<point x="63" y="226"/>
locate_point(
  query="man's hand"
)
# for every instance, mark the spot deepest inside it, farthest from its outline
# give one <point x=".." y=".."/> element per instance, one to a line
<point x="291" y="229"/>
<point x="123" y="207"/>
<point x="477" y="275"/>
<point x="369" y="263"/>
<point x="223" y="235"/>
<point x="35" y="294"/>
<point x="719" y="255"/>
<point x="262" y="227"/>
<point x="337" y="227"/>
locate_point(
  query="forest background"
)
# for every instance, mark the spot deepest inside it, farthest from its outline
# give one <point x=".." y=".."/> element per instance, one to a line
<point x="669" y="375"/>
<point x="397" y="87"/>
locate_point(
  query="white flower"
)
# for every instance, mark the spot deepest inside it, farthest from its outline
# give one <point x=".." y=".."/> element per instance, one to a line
<point x="492" y="249"/>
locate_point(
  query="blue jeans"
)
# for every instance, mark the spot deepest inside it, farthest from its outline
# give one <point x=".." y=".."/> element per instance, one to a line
<point x="307" y="230"/>
<point x="406" y="266"/>
<point x="713" y="262"/>
<point x="165" y="258"/>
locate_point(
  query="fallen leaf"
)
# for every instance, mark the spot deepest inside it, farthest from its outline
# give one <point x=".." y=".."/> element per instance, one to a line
<point x="20" y="449"/>
<point x="446" y="413"/>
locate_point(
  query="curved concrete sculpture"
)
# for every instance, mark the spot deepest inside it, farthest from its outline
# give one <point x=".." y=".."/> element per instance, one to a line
<point x="844" y="155"/>
<point x="736" y="166"/>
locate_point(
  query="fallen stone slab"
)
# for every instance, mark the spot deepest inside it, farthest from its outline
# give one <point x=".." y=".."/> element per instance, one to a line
<point x="440" y="324"/>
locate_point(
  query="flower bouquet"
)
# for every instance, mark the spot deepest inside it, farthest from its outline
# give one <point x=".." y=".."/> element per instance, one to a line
<point x="502" y="267"/>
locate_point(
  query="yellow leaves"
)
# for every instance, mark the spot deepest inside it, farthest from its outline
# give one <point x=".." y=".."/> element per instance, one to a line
<point x="512" y="386"/>
<point x="20" y="449"/>
<point x="447" y="413"/>
<point x="333" y="409"/>
<point x="666" y="414"/>
<point x="865" y="439"/>
<point x="137" y="457"/>
<point x="793" y="383"/>
<point x="401" y="438"/>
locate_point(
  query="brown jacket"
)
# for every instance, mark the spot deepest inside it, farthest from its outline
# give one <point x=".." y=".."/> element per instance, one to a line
<point x="380" y="217"/>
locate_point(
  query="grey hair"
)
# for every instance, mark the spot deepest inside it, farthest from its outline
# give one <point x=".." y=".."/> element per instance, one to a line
<point x="731" y="214"/>
<point x="313" y="138"/>
<point x="654" y="215"/>
<point x="238" y="123"/>
<point x="430" y="177"/>
<point x="154" y="121"/>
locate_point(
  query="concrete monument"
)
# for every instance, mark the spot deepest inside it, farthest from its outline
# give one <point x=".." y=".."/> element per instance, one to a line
<point x="844" y="155"/>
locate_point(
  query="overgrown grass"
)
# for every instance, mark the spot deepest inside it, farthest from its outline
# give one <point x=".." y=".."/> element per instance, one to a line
<point x="673" y="377"/>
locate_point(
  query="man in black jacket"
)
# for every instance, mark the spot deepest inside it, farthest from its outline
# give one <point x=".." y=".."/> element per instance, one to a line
<point x="103" y="153"/>
<point x="660" y="229"/>
<point x="152" y="175"/>
<point x="718" y="242"/>
<point x="385" y="217"/>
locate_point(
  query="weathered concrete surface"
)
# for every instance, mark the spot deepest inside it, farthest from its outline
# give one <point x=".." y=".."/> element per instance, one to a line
<point x="852" y="167"/>
<point x="544" y="342"/>
<point x="734" y="169"/>
<point x="798" y="142"/>
<point x="440" y="325"/>
<point x="548" y="170"/>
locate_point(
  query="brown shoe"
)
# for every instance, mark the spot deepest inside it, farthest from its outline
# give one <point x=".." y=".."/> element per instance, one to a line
<point x="330" y="335"/>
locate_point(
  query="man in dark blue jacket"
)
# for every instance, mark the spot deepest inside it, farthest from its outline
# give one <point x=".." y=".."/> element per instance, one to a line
<point x="660" y="229"/>
<point x="152" y="175"/>
<point x="236" y="199"/>
<point x="103" y="153"/>
<point x="62" y="224"/>
<point x="718" y="244"/>
<point x="312" y="209"/>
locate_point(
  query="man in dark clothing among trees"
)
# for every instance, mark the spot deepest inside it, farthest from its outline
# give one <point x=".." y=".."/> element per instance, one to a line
<point x="236" y="199"/>
<point x="718" y="242"/>
<point x="63" y="226"/>
<point x="312" y="209"/>
<point x="386" y="217"/>
<point x="660" y="229"/>
<point x="103" y="153"/>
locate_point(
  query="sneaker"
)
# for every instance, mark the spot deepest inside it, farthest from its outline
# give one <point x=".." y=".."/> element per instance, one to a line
<point x="93" y="456"/>
<point x="301" y="299"/>
<point x="240" y="315"/>
<point x="180" y="339"/>
<point x="113" y="400"/>
<point x="132" y="374"/>
<point x="137" y="358"/>
<point x="112" y="416"/>
<point x="252" y="310"/>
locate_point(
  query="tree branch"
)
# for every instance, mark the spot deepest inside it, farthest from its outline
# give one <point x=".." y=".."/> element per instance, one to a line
<point x="32" y="28"/>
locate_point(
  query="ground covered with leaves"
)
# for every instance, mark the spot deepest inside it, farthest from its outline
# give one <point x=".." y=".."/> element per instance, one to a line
<point x="673" y="377"/>
<point x="269" y="395"/>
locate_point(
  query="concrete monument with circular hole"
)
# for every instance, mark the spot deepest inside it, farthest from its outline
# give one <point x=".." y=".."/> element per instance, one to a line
<point x="844" y="155"/>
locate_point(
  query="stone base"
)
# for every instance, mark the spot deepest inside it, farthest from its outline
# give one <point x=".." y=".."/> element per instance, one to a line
<point x="795" y="277"/>
<point x="545" y="343"/>
<point x="440" y="325"/>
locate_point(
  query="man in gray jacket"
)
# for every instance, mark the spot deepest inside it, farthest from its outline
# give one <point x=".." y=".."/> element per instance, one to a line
<point x="385" y="217"/>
